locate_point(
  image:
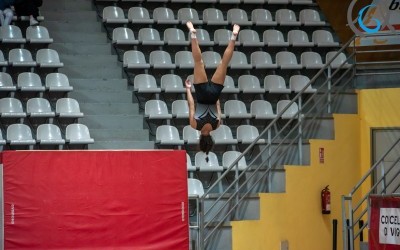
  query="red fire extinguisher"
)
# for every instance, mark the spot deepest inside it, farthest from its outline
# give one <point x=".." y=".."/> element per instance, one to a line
<point x="326" y="200"/>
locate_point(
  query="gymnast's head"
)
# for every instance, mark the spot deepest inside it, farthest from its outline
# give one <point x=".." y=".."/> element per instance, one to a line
<point x="206" y="144"/>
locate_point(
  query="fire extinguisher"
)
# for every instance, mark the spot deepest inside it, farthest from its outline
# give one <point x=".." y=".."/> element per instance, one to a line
<point x="326" y="200"/>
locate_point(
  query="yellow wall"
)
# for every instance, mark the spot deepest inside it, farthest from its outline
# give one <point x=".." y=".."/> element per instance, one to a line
<point x="296" y="216"/>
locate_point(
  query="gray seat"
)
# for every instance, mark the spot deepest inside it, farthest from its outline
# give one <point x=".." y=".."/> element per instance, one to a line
<point x="249" y="84"/>
<point x="39" y="107"/>
<point x="2" y="141"/>
<point x="38" y="35"/>
<point x="338" y="61"/>
<point x="298" y="82"/>
<point x="262" y="60"/>
<point x="6" y="83"/>
<point x="311" y="60"/>
<point x="286" y="17"/>
<point x="191" y="136"/>
<point x="229" y="86"/>
<point x="11" y="108"/>
<point x="20" y="134"/>
<point x="49" y="134"/>
<point x="239" y="61"/>
<point x="3" y="61"/>
<point x="195" y="187"/>
<point x="174" y="36"/>
<point x="274" y="38"/>
<point x="161" y="60"/>
<point x="163" y="15"/>
<point x="229" y="157"/>
<point x="190" y="168"/>
<point x="211" y="165"/>
<point x="114" y="15"/>
<point x="48" y="58"/>
<point x="262" y="110"/>
<point x="68" y="108"/>
<point x="206" y="1"/>
<point x="149" y="36"/>
<point x="229" y="1"/>
<point x="223" y="36"/>
<point x="262" y="17"/>
<point x="291" y="112"/>
<point x="134" y="59"/>
<point x="278" y="1"/>
<point x="223" y="135"/>
<point x="139" y="15"/>
<point x="309" y="17"/>
<point x="11" y="34"/>
<point x="250" y="38"/>
<point x="299" y="38"/>
<point x="287" y="60"/>
<point x="184" y="60"/>
<point x="238" y="16"/>
<point x="212" y="16"/>
<point x="323" y="38"/>
<point x="123" y="36"/>
<point x="58" y="82"/>
<point x="203" y="37"/>
<point x="21" y="58"/>
<point x="171" y="83"/>
<point x="30" y="82"/>
<point x="235" y="109"/>
<point x="301" y="2"/>
<point x="254" y="1"/>
<point x="211" y="59"/>
<point x="246" y="134"/>
<point x="156" y="109"/>
<point x="188" y="14"/>
<point x="168" y="135"/>
<point x="145" y="83"/>
<point x="275" y="84"/>
<point x="180" y="109"/>
<point x="78" y="134"/>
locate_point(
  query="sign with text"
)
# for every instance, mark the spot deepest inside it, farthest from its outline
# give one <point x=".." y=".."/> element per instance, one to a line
<point x="389" y="226"/>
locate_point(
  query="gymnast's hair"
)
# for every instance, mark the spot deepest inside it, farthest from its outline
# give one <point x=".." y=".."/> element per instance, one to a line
<point x="206" y="144"/>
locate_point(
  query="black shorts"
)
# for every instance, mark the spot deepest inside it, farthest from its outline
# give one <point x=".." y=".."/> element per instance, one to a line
<point x="208" y="92"/>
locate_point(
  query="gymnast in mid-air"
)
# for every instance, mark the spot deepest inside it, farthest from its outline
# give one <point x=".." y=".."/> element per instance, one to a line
<point x="205" y="115"/>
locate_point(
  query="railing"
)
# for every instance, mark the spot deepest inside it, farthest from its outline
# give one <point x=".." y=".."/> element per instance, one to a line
<point x="330" y="81"/>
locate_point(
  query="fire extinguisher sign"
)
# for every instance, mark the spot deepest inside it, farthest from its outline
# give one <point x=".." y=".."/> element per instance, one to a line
<point x="389" y="226"/>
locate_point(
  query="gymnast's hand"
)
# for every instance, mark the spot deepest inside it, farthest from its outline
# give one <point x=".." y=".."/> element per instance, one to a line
<point x="188" y="84"/>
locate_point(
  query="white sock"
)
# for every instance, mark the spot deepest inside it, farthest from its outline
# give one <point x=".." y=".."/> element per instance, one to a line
<point x="193" y="35"/>
<point x="233" y="37"/>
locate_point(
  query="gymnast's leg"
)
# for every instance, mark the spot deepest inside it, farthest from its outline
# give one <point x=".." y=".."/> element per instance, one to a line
<point x="199" y="74"/>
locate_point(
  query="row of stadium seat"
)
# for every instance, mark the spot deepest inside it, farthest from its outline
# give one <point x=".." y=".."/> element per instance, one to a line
<point x="294" y="2"/>
<point x="45" y="58"/>
<point x="246" y="38"/>
<point x="212" y="16"/>
<point x="34" y="35"/>
<point x="159" y="59"/>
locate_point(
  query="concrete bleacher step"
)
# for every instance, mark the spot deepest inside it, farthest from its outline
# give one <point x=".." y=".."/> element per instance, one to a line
<point x="62" y="5"/>
<point x="76" y="36"/>
<point x="122" y="145"/>
<point x="81" y="48"/>
<point x="119" y="135"/>
<point x="113" y="121"/>
<point x="109" y="60"/>
<point x="102" y="96"/>
<point x="82" y="16"/>
<point x="91" y="71"/>
<point x="109" y="108"/>
<point x="71" y="26"/>
<point x="99" y="84"/>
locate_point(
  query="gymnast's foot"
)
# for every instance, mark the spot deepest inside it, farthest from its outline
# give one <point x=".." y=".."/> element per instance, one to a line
<point x="236" y="29"/>
<point x="189" y="24"/>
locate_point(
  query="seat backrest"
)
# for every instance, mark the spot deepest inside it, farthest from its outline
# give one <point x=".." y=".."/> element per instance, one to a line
<point x="48" y="132"/>
<point x="234" y="107"/>
<point x="134" y="57"/>
<point x="38" y="105"/>
<point x="10" y="105"/>
<point x="2" y="59"/>
<point x="286" y="57"/>
<point x="211" y="58"/>
<point x="190" y="133"/>
<point x="171" y="81"/>
<point x="160" y="57"/>
<point x="222" y="132"/>
<point x="200" y="159"/>
<point x="274" y="82"/>
<point x="77" y="131"/>
<point x="285" y="15"/>
<point x="222" y="35"/>
<point x="113" y="12"/>
<point x="143" y="81"/>
<point x="212" y="14"/>
<point x="184" y="57"/>
<point x="57" y="80"/>
<point x="310" y="57"/>
<point x="261" y="107"/>
<point x="290" y="112"/>
<point x="260" y="57"/>
<point x="180" y="107"/>
<point x="297" y="36"/>
<point x="138" y="13"/>
<point x="230" y="156"/>
<point x="309" y="15"/>
<point x="238" y="57"/>
<point x="155" y="107"/>
<point x="322" y="36"/>
<point x="167" y="133"/>
<point x="341" y="58"/>
<point x="16" y="132"/>
<point x="20" y="55"/>
<point x="189" y="163"/>
<point x="248" y="82"/>
<point x="298" y="82"/>
<point x="235" y="15"/>
<point x="273" y="36"/>
<point x="122" y="33"/>
<point x="47" y="56"/>
<point x="5" y="80"/>
<point x="174" y="34"/>
<point x="67" y="105"/>
<point x="29" y="79"/>
<point x="248" y="35"/>
<point x="261" y="15"/>
<point x="149" y="34"/>
<point x="202" y="35"/>
<point x="10" y="32"/>
<point x="195" y="187"/>
<point x="37" y="32"/>
<point x="163" y="13"/>
<point x="187" y="14"/>
<point x="229" y="83"/>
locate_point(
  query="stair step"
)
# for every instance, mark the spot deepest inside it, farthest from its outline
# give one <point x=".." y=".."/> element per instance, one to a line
<point x="76" y="36"/>
<point x="99" y="84"/>
<point x="81" y="48"/>
<point x="122" y="145"/>
<point x="101" y="96"/>
<point x="72" y="26"/>
<point x="91" y="71"/>
<point x="119" y="135"/>
<point x="69" y="5"/>
<point x="109" y="108"/>
<point x="106" y="60"/>
<point x="83" y="16"/>
<point x="113" y="121"/>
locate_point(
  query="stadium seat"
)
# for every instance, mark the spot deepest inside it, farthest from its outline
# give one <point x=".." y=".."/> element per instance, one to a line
<point x="275" y="84"/>
<point x="229" y="157"/>
<point x="206" y="1"/>
<point x="188" y="14"/>
<point x="338" y="61"/>
<point x="211" y="59"/>
<point x="78" y="134"/>
<point x="184" y="60"/>
<point x="212" y="16"/>
<point x="163" y="15"/>
<point x="299" y="38"/>
<point x="287" y="60"/>
<point x="291" y="112"/>
<point x="262" y="60"/>
<point x="30" y="82"/>
<point x="180" y="109"/>
<point x="145" y="83"/>
<point x="249" y="84"/>
<point x="11" y="108"/>
<point x="156" y="109"/>
<point x="20" y="134"/>
<point x="161" y="60"/>
<point x="223" y="135"/>
<point x="38" y="35"/>
<point x="310" y="17"/>
<point x="114" y="15"/>
<point x="203" y="37"/>
<point x="250" y="38"/>
<point x="68" y="108"/>
<point x="11" y="34"/>
<point x="195" y="188"/>
<point x="134" y="59"/>
<point x="21" y="58"/>
<point x="286" y="17"/>
<point x="262" y="110"/>
<point x="48" y="58"/>
<point x="311" y="60"/>
<point x="239" y="61"/>
<point x="123" y="36"/>
<point x="191" y="136"/>
<point x="150" y="36"/>
<point x="262" y="17"/>
<point x="223" y="36"/>
<point x="3" y="61"/>
<point x="168" y="135"/>
<point x="39" y="107"/>
<point x="139" y="15"/>
<point x="49" y="134"/>
<point x="323" y="38"/>
<point x="6" y="83"/>
<point x="190" y="167"/>
<point x="277" y="1"/>
<point x="229" y="86"/>
<point x="174" y="36"/>
<point x="171" y="83"/>
<point x="237" y="16"/>
<point x="2" y="141"/>
<point x="254" y="1"/>
<point x="298" y="82"/>
<point x="235" y="109"/>
<point x="274" y="38"/>
<point x="58" y="82"/>
<point x="301" y="2"/>
<point x="211" y="166"/>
